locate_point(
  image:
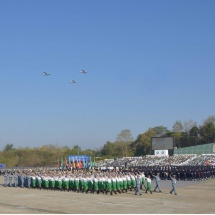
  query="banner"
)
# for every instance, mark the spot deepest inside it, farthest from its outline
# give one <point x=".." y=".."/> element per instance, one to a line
<point x="79" y="160"/>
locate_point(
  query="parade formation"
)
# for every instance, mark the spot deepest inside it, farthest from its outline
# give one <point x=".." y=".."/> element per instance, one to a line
<point x="115" y="181"/>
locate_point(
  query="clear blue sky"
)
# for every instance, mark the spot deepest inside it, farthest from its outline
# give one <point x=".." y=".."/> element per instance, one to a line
<point x="149" y="63"/>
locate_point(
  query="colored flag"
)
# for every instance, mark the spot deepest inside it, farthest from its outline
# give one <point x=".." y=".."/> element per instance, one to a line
<point x="65" y="161"/>
<point x="80" y="164"/>
<point x="58" y="163"/>
<point x="84" y="164"/>
<point x="61" y="162"/>
<point x="73" y="163"/>
<point x="94" y="163"/>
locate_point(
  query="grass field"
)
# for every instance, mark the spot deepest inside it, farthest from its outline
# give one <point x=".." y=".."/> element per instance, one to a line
<point x="193" y="198"/>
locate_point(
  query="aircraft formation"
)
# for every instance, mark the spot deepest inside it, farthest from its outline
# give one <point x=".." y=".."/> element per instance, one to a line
<point x="72" y="81"/>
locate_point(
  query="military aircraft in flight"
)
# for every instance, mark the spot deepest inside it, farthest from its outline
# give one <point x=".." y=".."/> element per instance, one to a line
<point x="83" y="71"/>
<point x="46" y="74"/>
<point x="73" y="82"/>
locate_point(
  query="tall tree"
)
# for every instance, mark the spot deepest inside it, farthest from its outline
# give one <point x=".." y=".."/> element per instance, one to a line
<point x="160" y="131"/>
<point x="194" y="136"/>
<point x="188" y="125"/>
<point x="123" y="141"/>
<point x="8" y="147"/>
<point x="142" y="145"/>
<point x="177" y="132"/>
<point x="207" y="132"/>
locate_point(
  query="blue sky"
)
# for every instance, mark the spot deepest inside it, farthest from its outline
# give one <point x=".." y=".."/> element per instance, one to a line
<point x="149" y="63"/>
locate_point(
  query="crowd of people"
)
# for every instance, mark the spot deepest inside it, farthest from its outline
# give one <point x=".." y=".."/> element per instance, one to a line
<point x="176" y="160"/>
<point x="112" y="182"/>
<point x="115" y="181"/>
<point x="115" y="176"/>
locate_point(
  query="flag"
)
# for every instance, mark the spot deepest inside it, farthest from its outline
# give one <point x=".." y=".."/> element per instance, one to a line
<point x="91" y="163"/>
<point x="70" y="164"/>
<point x="84" y="164"/>
<point x="94" y="163"/>
<point x="58" y="163"/>
<point x="65" y="161"/>
<point x="61" y="162"/>
<point x="77" y="164"/>
<point x="73" y="163"/>
<point x="80" y="164"/>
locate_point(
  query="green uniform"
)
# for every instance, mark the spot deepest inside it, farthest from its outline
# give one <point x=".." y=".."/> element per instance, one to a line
<point x="65" y="183"/>
<point x="51" y="183"/>
<point x="77" y="187"/>
<point x="114" y="184"/>
<point x="85" y="184"/>
<point x="56" y="182"/>
<point x="117" y="183"/>
<point x="80" y="183"/>
<point x="100" y="184"/>
<point x="60" y="183"/>
<point x="121" y="183"/>
<point x="45" y="183"/>
<point x="109" y="184"/>
<point x="38" y="182"/>
<point x="90" y="183"/>
<point x="33" y="181"/>
<point x="105" y="183"/>
<point x="124" y="183"/>
<point x="95" y="184"/>
<point x="71" y="183"/>
<point x="133" y="183"/>
<point x="148" y="185"/>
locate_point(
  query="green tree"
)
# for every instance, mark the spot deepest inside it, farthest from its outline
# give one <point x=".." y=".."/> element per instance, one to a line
<point x="207" y="132"/>
<point x="142" y="145"/>
<point x="188" y="125"/>
<point x="177" y="132"/>
<point x="123" y="142"/>
<point x="77" y="149"/>
<point x="8" y="147"/>
<point x="108" y="150"/>
<point x="160" y="131"/>
<point x="194" y="136"/>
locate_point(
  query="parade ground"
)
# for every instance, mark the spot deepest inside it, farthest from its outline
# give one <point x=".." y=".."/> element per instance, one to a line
<point x="193" y="198"/>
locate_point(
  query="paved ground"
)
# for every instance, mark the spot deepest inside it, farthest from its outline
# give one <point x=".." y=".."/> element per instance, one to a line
<point x="192" y="198"/>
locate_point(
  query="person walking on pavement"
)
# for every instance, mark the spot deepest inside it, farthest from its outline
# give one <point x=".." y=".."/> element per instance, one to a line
<point x="10" y="180"/>
<point x="15" y="180"/>
<point x="157" y="179"/>
<point x="173" y="179"/>
<point x="5" y="179"/>
<point x="138" y="184"/>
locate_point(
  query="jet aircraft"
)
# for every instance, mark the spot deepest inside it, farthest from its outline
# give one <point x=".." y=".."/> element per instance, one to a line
<point x="73" y="82"/>
<point x="46" y="74"/>
<point x="83" y="71"/>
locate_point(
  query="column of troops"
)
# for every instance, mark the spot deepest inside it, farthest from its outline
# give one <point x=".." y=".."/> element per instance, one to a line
<point x="112" y="182"/>
<point x="97" y="182"/>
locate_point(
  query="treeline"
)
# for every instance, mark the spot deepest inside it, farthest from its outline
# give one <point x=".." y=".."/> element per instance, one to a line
<point x="185" y="134"/>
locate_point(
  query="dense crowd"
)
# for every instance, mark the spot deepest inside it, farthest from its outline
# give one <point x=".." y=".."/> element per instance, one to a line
<point x="112" y="182"/>
<point x="113" y="176"/>
<point x="176" y="160"/>
<point x="101" y="181"/>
